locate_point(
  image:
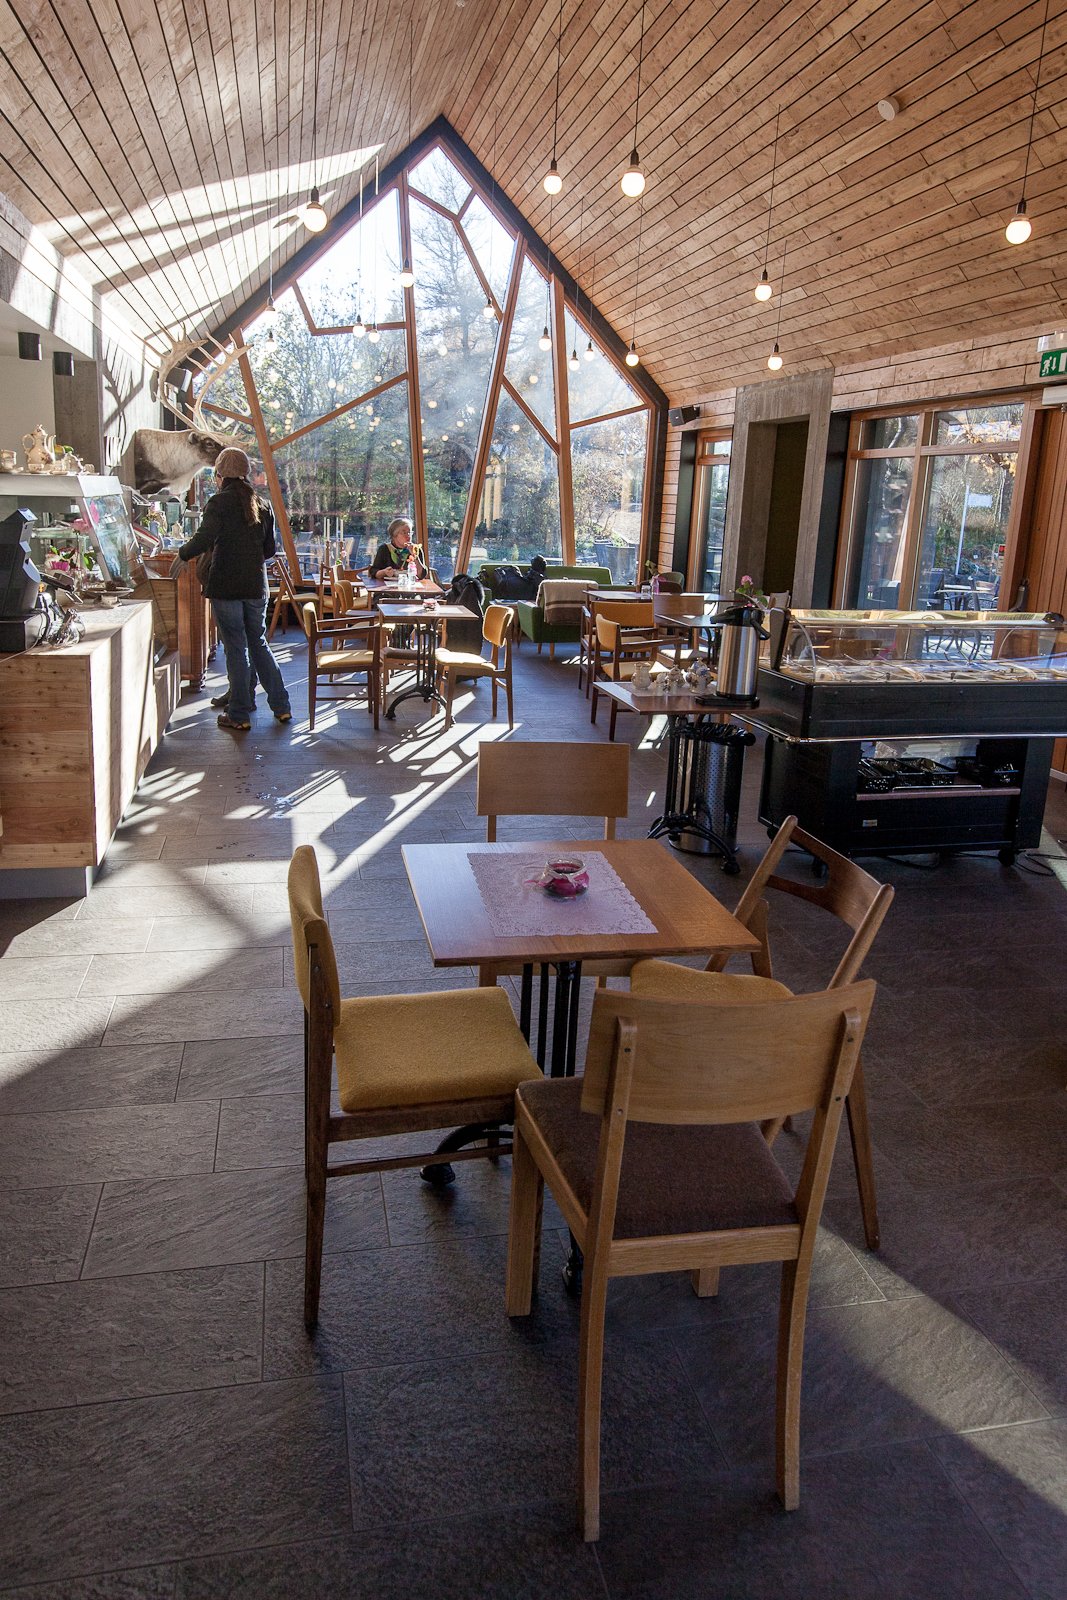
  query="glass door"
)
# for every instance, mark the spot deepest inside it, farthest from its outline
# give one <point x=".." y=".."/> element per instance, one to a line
<point x="709" y="512"/>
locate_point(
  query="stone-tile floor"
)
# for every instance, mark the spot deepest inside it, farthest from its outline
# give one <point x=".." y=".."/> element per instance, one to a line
<point x="166" y="1428"/>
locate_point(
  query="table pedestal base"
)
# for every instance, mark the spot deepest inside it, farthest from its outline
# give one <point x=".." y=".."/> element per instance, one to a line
<point x="425" y="685"/>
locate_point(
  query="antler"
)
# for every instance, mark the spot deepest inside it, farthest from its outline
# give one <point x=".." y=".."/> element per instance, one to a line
<point x="207" y="359"/>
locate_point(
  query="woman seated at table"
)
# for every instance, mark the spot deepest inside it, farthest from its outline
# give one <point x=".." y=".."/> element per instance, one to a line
<point x="398" y="554"/>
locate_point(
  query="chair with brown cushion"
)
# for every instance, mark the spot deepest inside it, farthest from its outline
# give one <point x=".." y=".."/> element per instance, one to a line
<point x="408" y="1063"/>
<point x="657" y="1162"/>
<point x="549" y="778"/>
<point x="340" y="650"/>
<point x="848" y="893"/>
<point x="626" y="635"/>
<point x="454" y="664"/>
<point x="289" y="596"/>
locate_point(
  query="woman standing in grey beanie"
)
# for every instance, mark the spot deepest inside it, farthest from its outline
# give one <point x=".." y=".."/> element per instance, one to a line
<point x="237" y="528"/>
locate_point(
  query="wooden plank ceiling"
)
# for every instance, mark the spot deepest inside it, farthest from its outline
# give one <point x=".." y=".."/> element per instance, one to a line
<point x="164" y="146"/>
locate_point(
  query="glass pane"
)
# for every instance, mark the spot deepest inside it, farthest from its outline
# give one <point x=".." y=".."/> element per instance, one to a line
<point x="979" y="425"/>
<point x="492" y="244"/>
<point x="436" y="176"/>
<point x="883" y="489"/>
<point x="519" y="513"/>
<point x="595" y="387"/>
<point x="355" y="470"/>
<point x="966" y="523"/>
<point x="890" y="433"/>
<point x="716" y="482"/>
<point x="608" y="468"/>
<point x="304" y="375"/>
<point x="455" y="345"/>
<point x="529" y="367"/>
<point x="359" y="275"/>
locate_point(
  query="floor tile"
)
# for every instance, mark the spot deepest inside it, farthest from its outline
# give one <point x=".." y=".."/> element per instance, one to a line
<point x="64" y="1024"/>
<point x="74" y="1080"/>
<point x="207" y="1014"/>
<point x="218" y="932"/>
<point x="967" y="1145"/>
<point x="1024" y="1321"/>
<point x="875" y="1372"/>
<point x="180" y="972"/>
<point x="146" y="1583"/>
<point x="130" y="1482"/>
<point x="518" y="1412"/>
<point x="531" y="1556"/>
<point x="419" y="1303"/>
<point x="1015" y="1481"/>
<point x="476" y="1203"/>
<point x="222" y="1217"/>
<point x="77" y="939"/>
<point x="44" y="1233"/>
<point x="872" y="1525"/>
<point x="39" y="1150"/>
<point x="68" y="1344"/>
<point x="218" y="1069"/>
<point x="114" y="901"/>
<point x="261" y="1131"/>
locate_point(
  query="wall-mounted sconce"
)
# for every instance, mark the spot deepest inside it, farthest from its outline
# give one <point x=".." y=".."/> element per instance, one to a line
<point x="29" y="347"/>
<point x="63" y="364"/>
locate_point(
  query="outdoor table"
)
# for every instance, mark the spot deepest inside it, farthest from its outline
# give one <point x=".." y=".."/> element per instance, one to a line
<point x="425" y="620"/>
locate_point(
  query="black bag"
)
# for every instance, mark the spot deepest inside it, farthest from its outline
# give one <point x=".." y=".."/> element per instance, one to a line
<point x="466" y="591"/>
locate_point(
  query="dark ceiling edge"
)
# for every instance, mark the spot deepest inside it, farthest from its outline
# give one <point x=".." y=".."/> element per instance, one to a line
<point x="441" y="131"/>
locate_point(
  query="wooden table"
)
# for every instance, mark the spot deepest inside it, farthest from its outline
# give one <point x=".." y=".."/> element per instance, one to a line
<point x="425" y="620"/>
<point x="424" y="587"/>
<point x="685" y="806"/>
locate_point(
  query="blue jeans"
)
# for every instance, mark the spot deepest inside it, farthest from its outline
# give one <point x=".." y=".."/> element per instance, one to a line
<point x="241" y="625"/>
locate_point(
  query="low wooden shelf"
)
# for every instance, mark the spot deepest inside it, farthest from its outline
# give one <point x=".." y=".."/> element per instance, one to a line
<point x="78" y="726"/>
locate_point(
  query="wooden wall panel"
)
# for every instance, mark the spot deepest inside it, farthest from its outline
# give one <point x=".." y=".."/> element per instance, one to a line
<point x="1046" y="563"/>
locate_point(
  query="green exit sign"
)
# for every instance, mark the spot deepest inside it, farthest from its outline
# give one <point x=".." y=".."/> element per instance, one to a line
<point x="1053" y="363"/>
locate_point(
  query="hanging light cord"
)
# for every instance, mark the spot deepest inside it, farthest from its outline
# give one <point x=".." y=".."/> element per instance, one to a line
<point x="640" y="60"/>
<point x="411" y="57"/>
<point x="559" y="55"/>
<point x="577" y="275"/>
<point x="637" y="275"/>
<point x="1033" y="108"/>
<point x="315" y="104"/>
<point x="774" y="173"/>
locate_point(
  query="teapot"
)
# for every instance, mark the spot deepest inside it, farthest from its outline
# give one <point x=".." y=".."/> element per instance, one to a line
<point x="642" y="677"/>
<point x="40" y="448"/>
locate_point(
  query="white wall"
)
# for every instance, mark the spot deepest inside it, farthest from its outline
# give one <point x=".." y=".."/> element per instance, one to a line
<point x="26" y="399"/>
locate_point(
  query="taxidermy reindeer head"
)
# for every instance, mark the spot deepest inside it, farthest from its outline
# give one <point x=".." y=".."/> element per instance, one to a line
<point x="165" y="461"/>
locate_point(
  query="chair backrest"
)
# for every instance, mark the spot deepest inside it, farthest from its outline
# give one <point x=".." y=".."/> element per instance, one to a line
<point x="700" y="1062"/>
<point x="285" y="579"/>
<point x="848" y="893"/>
<point x="309" y="927"/>
<point x="532" y="778"/>
<point x="496" y="627"/>
<point x="309" y="616"/>
<point x="611" y="622"/>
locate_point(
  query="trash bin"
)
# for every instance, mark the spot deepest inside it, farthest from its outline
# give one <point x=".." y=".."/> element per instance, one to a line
<point x="711" y="763"/>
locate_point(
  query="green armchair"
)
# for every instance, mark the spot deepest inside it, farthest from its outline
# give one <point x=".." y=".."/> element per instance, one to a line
<point x="531" y="617"/>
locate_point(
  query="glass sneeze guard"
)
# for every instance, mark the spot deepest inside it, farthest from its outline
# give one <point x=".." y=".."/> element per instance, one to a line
<point x="924" y="647"/>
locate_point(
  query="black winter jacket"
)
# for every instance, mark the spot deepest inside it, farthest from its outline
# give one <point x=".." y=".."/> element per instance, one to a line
<point x="239" y="550"/>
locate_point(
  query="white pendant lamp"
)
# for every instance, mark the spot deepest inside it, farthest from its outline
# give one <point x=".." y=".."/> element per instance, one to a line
<point x="632" y="357"/>
<point x="488" y="310"/>
<point x="552" y="181"/>
<point x="763" y="289"/>
<point x="1020" y="227"/>
<point x="545" y="341"/>
<point x="775" y="360"/>
<point x="313" y="214"/>
<point x="632" y="182"/>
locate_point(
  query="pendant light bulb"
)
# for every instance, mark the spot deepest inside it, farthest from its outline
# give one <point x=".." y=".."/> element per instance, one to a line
<point x="313" y="215"/>
<point x="545" y="341"/>
<point x="374" y="333"/>
<point x="407" y="276"/>
<point x="488" y="310"/>
<point x="763" y="289"/>
<point x="271" y="343"/>
<point x="632" y="357"/>
<point x="589" y="353"/>
<point x="632" y="182"/>
<point x="1019" y="228"/>
<point x="358" y="328"/>
<point x="573" y="362"/>
<point x="552" y="181"/>
<point x="270" y="313"/>
<point x="775" y="359"/>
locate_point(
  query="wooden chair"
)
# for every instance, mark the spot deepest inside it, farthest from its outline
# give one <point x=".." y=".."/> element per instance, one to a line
<point x="289" y="597"/>
<point x="332" y="656"/>
<point x="453" y="664"/>
<point x="625" y="636"/>
<point x="848" y="893"/>
<point x="657" y="1163"/>
<point x="546" y="778"/>
<point x="406" y="1063"/>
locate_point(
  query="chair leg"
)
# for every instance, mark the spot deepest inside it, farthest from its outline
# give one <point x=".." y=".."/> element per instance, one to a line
<point x="595" y="699"/>
<point x="375" y="691"/>
<point x="614" y="718"/>
<point x="792" y="1314"/>
<point x="510" y="700"/>
<point x="526" y="1191"/>
<point x="705" y="1281"/>
<point x="539" y="643"/>
<point x="312" y="685"/>
<point x="448" y="701"/>
<point x="590" y="1376"/>
<point x="859" y="1129"/>
<point x="552" y="650"/>
<point x="316" y="1148"/>
<point x="493" y="697"/>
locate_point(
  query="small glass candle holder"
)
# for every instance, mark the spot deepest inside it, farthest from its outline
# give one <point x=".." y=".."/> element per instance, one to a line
<point x="565" y="876"/>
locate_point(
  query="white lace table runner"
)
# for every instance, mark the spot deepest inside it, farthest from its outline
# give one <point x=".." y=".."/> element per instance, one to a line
<point x="516" y="907"/>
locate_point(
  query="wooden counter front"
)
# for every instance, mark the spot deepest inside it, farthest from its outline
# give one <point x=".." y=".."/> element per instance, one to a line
<point x="77" y="728"/>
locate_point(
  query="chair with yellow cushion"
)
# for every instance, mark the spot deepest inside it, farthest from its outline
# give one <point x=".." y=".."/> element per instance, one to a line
<point x="453" y="664"/>
<point x="626" y="634"/>
<point x="846" y="892"/>
<point x="345" y="648"/>
<point x="406" y="1063"/>
<point x="656" y="1160"/>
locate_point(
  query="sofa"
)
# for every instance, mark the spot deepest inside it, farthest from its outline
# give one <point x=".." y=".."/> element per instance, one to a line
<point x="531" y="617"/>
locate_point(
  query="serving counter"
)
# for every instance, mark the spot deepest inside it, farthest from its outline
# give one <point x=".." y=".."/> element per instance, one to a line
<point x="78" y="726"/>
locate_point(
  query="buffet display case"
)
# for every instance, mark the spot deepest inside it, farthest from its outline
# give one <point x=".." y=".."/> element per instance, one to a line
<point x="903" y="731"/>
<point x="83" y="509"/>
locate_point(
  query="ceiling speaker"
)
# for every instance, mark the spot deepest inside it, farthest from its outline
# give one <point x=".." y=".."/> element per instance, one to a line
<point x="680" y="415"/>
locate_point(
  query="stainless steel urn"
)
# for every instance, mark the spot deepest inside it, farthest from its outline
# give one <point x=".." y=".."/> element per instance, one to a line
<point x="740" y="631"/>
